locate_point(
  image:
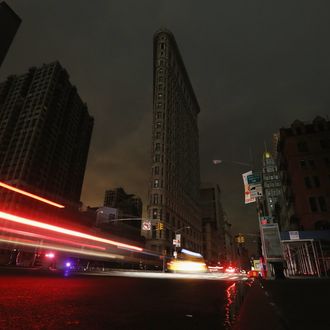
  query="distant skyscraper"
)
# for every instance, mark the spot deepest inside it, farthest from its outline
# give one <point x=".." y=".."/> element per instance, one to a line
<point x="175" y="176"/>
<point x="128" y="205"/>
<point x="45" y="131"/>
<point x="9" y="24"/>
<point x="214" y="243"/>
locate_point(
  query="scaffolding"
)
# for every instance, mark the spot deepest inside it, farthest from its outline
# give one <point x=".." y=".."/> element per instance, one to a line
<point x="305" y="257"/>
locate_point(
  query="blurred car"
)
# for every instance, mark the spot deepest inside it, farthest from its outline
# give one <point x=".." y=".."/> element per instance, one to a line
<point x="215" y="269"/>
<point x="230" y="269"/>
<point x="185" y="266"/>
<point x="187" y="262"/>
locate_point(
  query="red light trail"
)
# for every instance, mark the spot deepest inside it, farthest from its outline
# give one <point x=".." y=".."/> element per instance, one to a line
<point x="25" y="193"/>
<point x="60" y="240"/>
<point x="25" y="242"/>
<point x="38" y="224"/>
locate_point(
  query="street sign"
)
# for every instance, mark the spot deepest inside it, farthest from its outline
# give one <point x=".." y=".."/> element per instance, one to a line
<point x="254" y="178"/>
<point x="146" y="225"/>
<point x="294" y="235"/>
<point x="247" y="193"/>
<point x="178" y="240"/>
<point x="256" y="190"/>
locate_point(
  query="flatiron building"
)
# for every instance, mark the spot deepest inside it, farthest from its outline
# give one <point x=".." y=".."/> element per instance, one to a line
<point x="175" y="175"/>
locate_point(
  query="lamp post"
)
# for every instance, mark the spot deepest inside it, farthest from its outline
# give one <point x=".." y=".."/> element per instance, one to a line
<point x="256" y="199"/>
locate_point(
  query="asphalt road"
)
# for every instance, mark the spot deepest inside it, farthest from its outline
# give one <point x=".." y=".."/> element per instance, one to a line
<point x="105" y="302"/>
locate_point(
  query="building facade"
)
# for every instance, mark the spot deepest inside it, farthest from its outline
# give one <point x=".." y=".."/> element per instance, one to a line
<point x="213" y="221"/>
<point x="9" y="24"/>
<point x="272" y="186"/>
<point x="45" y="132"/>
<point x="304" y="162"/>
<point x="175" y="176"/>
<point x="128" y="205"/>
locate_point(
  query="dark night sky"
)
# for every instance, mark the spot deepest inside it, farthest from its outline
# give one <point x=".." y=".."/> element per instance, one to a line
<point x="255" y="66"/>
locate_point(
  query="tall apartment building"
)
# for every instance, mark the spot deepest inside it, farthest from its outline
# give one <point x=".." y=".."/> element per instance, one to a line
<point x="175" y="175"/>
<point x="272" y="186"/>
<point x="45" y="132"/>
<point x="9" y="24"/>
<point x="213" y="220"/>
<point x="304" y="163"/>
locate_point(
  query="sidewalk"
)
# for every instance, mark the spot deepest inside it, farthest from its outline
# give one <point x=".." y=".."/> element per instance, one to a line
<point x="257" y="311"/>
<point x="286" y="304"/>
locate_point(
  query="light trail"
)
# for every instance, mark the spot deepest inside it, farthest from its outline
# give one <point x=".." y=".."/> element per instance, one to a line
<point x="26" y="233"/>
<point x="60" y="248"/>
<point x="38" y="224"/>
<point x="25" y="193"/>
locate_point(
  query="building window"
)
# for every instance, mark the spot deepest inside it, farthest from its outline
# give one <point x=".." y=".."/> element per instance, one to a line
<point x="156" y="183"/>
<point x="302" y="146"/>
<point x="155" y="199"/>
<point x="158" y="124"/>
<point x="325" y="144"/>
<point x="157" y="158"/>
<point x="327" y="161"/>
<point x="311" y="163"/>
<point x="316" y="181"/>
<point x="157" y="147"/>
<point x="154" y="213"/>
<point x="312" y="204"/>
<point x="308" y="183"/>
<point x="156" y="170"/>
<point x="323" y="204"/>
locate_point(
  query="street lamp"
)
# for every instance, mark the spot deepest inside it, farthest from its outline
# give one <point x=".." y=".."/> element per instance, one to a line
<point x="220" y="161"/>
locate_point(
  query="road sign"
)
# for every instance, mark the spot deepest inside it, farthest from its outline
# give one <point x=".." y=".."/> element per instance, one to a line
<point x="256" y="190"/>
<point x="254" y="178"/>
<point x="146" y="225"/>
<point x="247" y="194"/>
<point x="178" y="240"/>
<point x="294" y="235"/>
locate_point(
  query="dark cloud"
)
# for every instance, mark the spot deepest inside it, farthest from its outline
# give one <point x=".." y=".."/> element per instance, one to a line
<point x="255" y="66"/>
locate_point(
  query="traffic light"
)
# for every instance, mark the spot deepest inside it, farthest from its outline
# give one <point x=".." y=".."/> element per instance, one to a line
<point x="239" y="238"/>
<point x="158" y="226"/>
